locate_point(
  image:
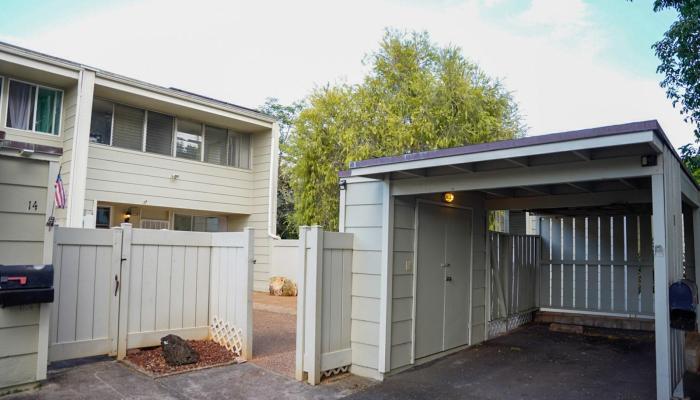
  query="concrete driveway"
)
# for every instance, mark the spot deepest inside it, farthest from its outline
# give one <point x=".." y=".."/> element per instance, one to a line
<point x="530" y="363"/>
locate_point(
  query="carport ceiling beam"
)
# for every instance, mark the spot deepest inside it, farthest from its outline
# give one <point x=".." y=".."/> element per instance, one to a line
<point x="584" y="155"/>
<point x="499" y="192"/>
<point x="419" y="173"/>
<point x="597" y="199"/>
<point x="531" y="189"/>
<point x="584" y="187"/>
<point x="468" y="168"/>
<point x="519" y="162"/>
<point x="580" y="171"/>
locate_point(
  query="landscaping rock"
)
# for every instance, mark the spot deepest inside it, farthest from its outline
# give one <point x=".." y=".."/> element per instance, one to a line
<point x="281" y="286"/>
<point x="177" y="351"/>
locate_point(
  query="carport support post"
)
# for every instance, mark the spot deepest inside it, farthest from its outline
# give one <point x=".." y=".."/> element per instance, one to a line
<point x="664" y="384"/>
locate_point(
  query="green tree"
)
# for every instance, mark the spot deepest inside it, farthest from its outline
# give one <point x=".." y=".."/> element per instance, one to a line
<point x="679" y="52"/>
<point x="416" y="96"/>
<point x="285" y="115"/>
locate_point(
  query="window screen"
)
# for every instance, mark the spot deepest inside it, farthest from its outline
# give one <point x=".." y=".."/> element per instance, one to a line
<point x="128" y="127"/>
<point x="101" y="122"/>
<point x="189" y="139"/>
<point x="239" y="150"/>
<point x="215" y="145"/>
<point x="159" y="133"/>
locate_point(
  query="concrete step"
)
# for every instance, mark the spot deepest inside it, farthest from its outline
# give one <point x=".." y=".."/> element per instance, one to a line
<point x="596" y="321"/>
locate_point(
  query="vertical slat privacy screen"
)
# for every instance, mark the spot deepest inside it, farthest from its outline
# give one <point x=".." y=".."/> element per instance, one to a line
<point x="128" y="127"/>
<point x="597" y="263"/>
<point x="159" y="133"/>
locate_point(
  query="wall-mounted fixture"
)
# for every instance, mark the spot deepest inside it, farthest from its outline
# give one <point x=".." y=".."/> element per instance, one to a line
<point x="448" y="197"/>
<point x="174" y="177"/>
<point x="127" y="215"/>
<point x="26" y="152"/>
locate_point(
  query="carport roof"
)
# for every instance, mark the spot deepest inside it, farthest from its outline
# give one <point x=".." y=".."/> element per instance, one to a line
<point x="442" y="157"/>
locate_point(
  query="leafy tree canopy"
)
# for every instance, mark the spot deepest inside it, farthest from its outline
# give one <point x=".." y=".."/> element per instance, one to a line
<point x="416" y="96"/>
<point x="679" y="52"/>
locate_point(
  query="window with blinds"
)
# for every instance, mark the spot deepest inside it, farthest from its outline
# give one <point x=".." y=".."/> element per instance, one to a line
<point x="215" y="145"/>
<point x="159" y="133"/>
<point x="239" y="150"/>
<point x="128" y="127"/>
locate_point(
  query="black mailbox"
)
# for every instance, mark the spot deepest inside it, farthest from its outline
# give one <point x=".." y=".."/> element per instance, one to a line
<point x="26" y="284"/>
<point x="683" y="298"/>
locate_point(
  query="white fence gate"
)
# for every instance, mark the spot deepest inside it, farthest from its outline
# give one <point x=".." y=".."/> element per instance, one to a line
<point x="513" y="286"/>
<point x="84" y="314"/>
<point x="323" y="303"/>
<point x="125" y="288"/>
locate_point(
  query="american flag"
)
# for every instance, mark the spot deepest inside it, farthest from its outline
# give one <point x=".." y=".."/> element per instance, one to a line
<point x="59" y="194"/>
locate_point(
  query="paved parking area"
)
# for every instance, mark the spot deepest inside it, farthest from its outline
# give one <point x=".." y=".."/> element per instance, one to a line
<point x="533" y="363"/>
<point x="530" y="363"/>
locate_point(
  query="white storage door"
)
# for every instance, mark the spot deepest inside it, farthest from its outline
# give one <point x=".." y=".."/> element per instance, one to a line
<point x="23" y="190"/>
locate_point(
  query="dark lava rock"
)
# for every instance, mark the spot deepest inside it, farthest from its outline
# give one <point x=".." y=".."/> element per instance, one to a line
<point x="177" y="351"/>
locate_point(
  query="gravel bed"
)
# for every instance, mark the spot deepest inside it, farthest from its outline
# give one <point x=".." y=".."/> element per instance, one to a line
<point x="150" y="360"/>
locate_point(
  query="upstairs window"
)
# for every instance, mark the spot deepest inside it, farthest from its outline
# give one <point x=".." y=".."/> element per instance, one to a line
<point x="34" y="108"/>
<point x="189" y="140"/>
<point x="239" y="150"/>
<point x="128" y="127"/>
<point x="159" y="133"/>
<point x="101" y="122"/>
<point x="223" y="147"/>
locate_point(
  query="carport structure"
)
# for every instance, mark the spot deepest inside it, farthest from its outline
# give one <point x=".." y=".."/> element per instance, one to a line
<point x="421" y="284"/>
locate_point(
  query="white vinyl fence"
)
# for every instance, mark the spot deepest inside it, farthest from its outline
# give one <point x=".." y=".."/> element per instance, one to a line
<point x="125" y="288"/>
<point x="513" y="264"/>
<point x="323" y="303"/>
<point x="284" y="260"/>
<point x="597" y="264"/>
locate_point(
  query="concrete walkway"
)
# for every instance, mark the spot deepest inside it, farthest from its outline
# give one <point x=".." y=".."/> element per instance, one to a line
<point x="107" y="380"/>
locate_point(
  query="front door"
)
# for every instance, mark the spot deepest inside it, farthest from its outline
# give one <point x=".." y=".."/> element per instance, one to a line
<point x="442" y="288"/>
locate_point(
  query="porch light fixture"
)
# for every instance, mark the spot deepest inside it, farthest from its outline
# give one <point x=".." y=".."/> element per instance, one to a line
<point x="127" y="216"/>
<point x="448" y="197"/>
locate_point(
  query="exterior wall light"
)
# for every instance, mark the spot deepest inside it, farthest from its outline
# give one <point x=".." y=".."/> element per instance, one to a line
<point x="448" y="197"/>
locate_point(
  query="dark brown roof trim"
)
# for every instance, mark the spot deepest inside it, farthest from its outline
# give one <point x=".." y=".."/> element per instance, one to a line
<point x="632" y="127"/>
<point x="35" y="148"/>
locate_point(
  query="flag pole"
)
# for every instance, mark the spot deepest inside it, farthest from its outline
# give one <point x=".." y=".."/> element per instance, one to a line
<point x="50" y="223"/>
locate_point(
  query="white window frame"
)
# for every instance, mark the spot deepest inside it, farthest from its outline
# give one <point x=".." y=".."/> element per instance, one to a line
<point x="2" y="90"/>
<point x="173" y="145"/>
<point x="36" y="99"/>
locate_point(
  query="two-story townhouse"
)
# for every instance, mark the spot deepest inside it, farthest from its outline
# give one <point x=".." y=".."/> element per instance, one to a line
<point x="131" y="151"/>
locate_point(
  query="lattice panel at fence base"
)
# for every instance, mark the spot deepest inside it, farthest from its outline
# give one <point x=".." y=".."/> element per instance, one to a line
<point x="335" y="371"/>
<point x="227" y="335"/>
<point x="500" y="326"/>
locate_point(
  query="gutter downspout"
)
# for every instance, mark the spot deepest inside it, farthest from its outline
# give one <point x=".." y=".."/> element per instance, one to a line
<point x="274" y="172"/>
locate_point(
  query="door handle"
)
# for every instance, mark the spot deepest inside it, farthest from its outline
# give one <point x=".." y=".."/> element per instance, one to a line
<point x="448" y="279"/>
<point x="116" y="284"/>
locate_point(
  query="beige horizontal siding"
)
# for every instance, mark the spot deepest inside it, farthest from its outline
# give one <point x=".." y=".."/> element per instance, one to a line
<point x="363" y="212"/>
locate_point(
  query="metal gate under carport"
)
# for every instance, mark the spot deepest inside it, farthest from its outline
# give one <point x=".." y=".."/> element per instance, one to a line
<point x="601" y="168"/>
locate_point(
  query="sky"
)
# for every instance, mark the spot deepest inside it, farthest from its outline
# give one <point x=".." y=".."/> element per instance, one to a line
<point x="570" y="64"/>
